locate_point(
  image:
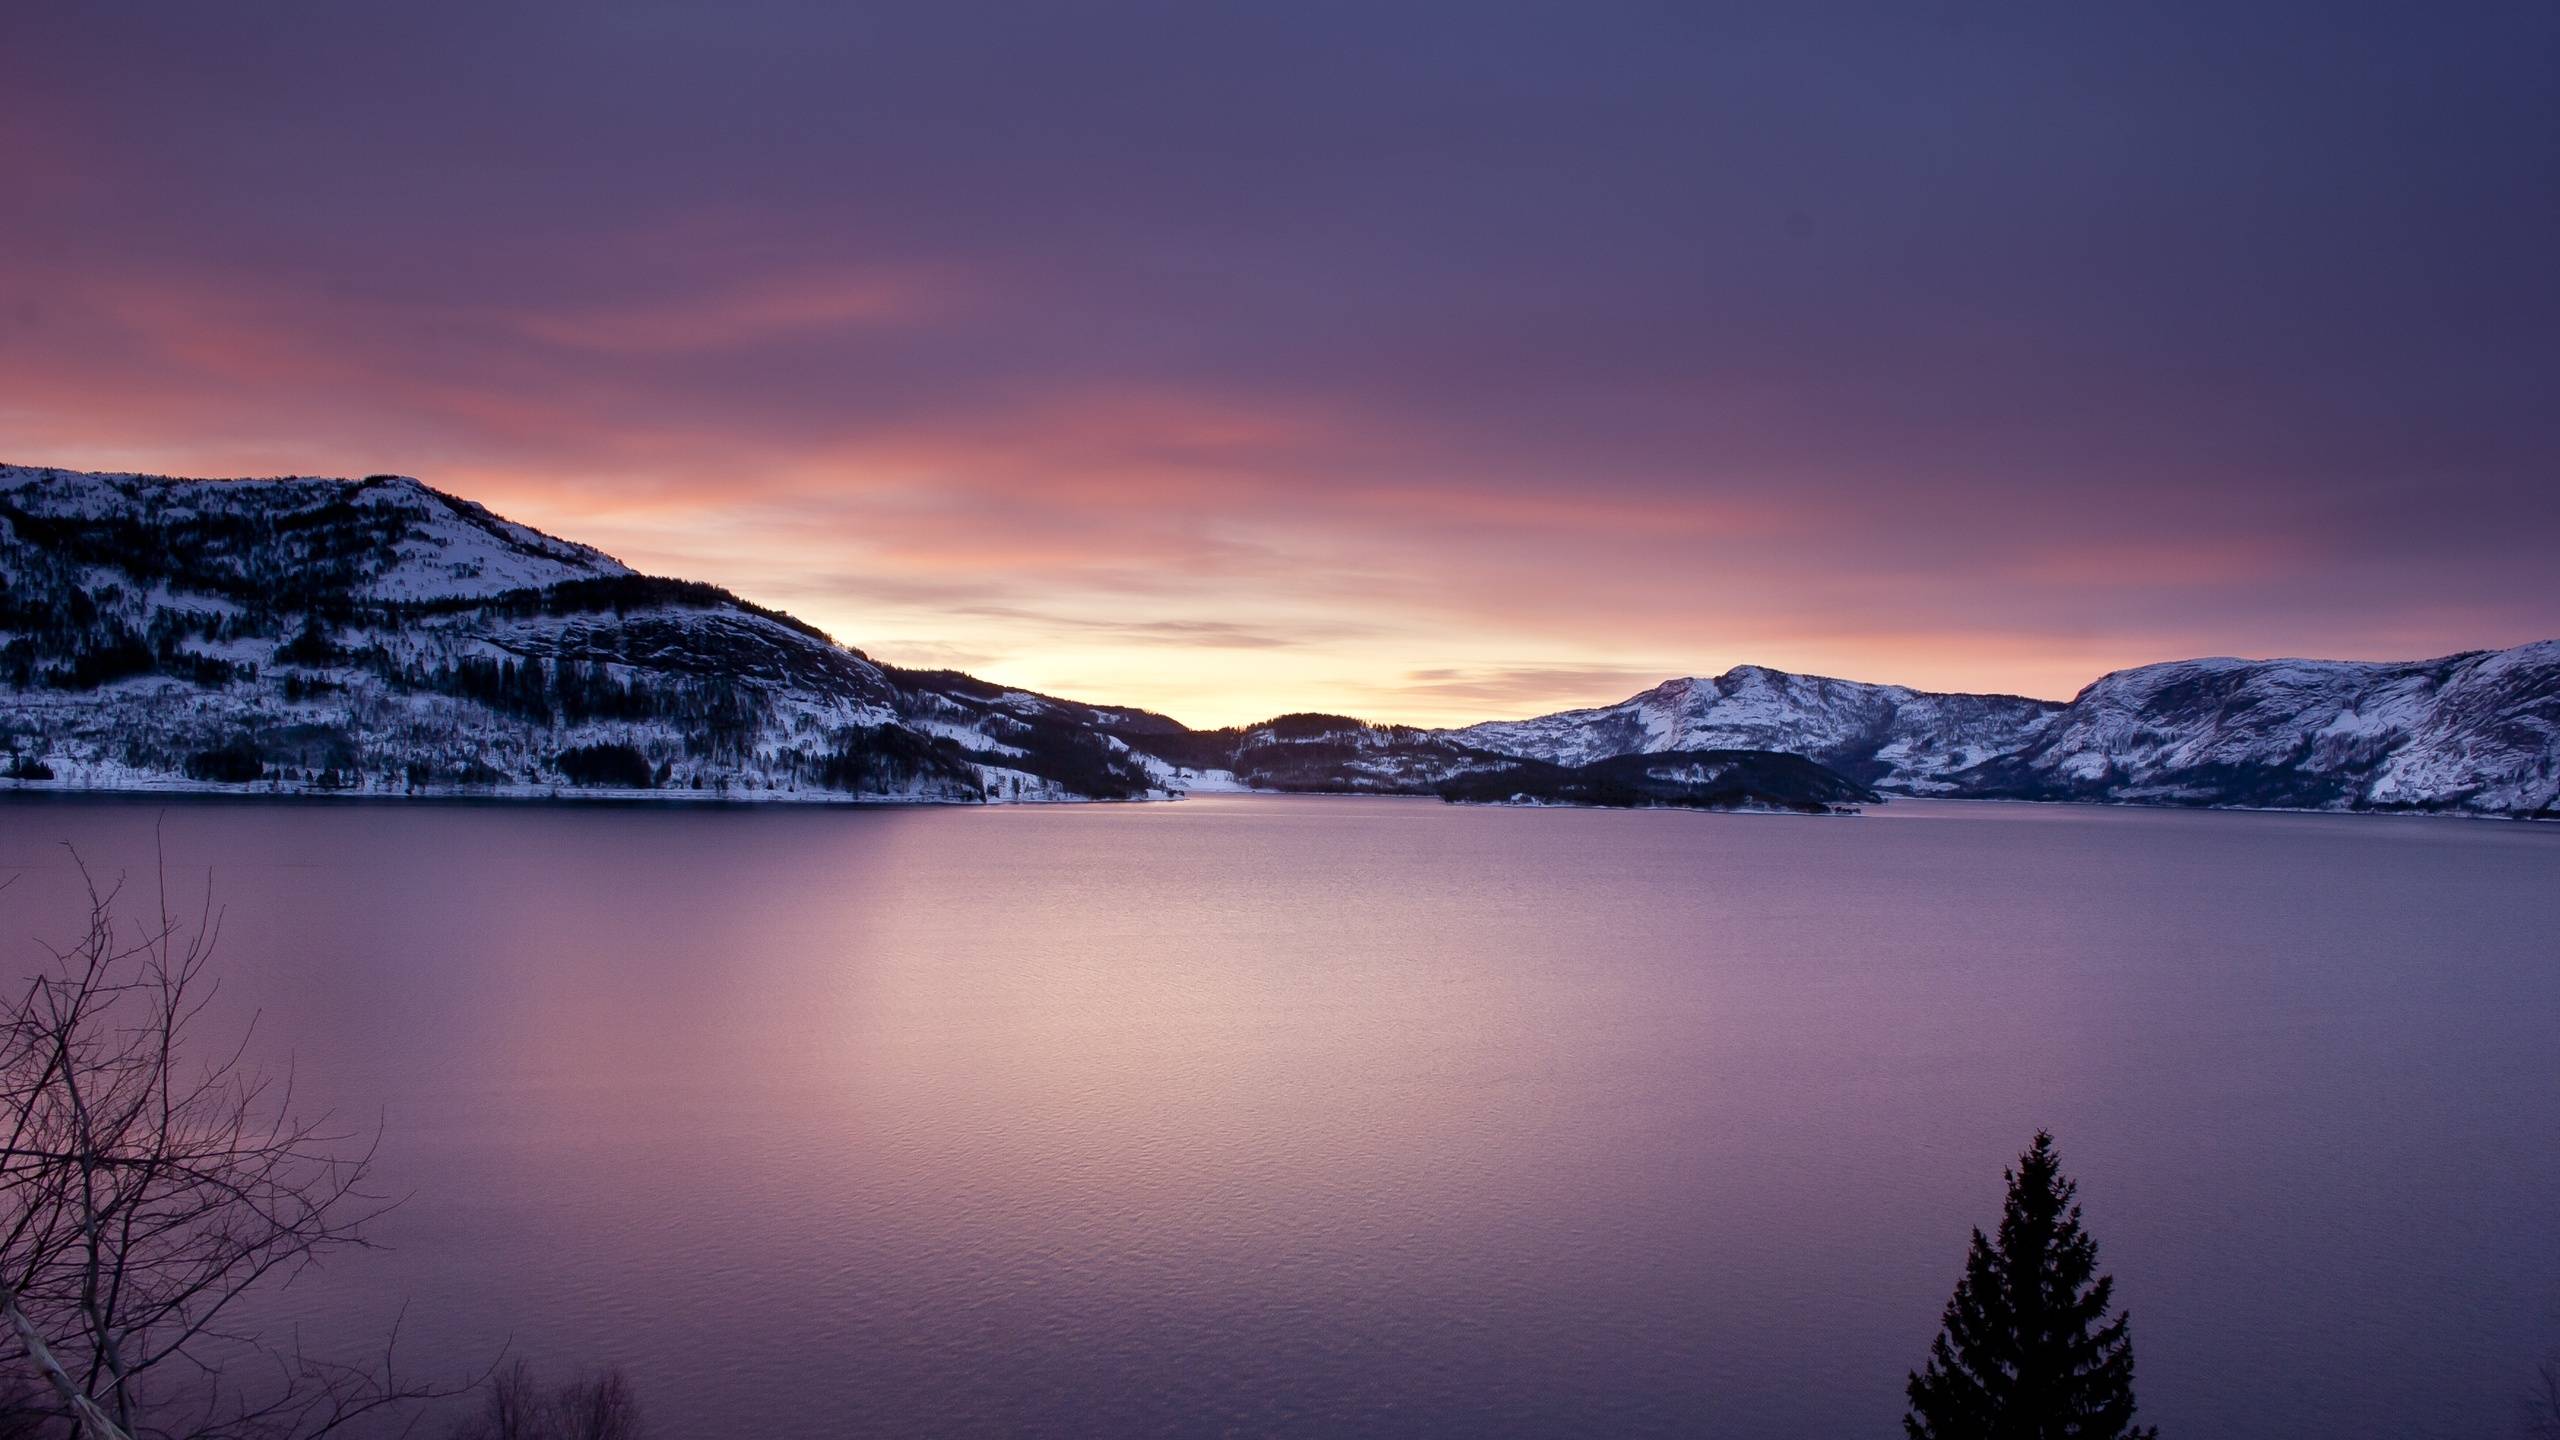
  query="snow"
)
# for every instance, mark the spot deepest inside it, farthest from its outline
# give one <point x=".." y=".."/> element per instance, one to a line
<point x="1916" y="736"/>
<point x="807" y="698"/>
<point x="461" y="554"/>
<point x="2478" y="731"/>
<point x="453" y="549"/>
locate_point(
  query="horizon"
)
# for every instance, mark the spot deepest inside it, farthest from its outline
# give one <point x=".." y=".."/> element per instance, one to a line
<point x="1436" y="720"/>
<point x="1104" y="701"/>
<point x="1551" y="352"/>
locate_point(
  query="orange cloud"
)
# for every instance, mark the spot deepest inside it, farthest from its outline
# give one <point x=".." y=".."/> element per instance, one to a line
<point x="1187" y="544"/>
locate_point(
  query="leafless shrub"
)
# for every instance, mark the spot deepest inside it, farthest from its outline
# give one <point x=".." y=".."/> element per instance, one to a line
<point x="600" y="1407"/>
<point x="149" y="1183"/>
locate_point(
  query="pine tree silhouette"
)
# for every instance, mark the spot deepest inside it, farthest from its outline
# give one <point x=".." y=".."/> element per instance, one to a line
<point x="2027" y="1351"/>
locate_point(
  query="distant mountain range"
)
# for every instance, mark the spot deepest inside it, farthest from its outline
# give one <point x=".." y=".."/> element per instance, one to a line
<point x="2477" y="732"/>
<point x="378" y="636"/>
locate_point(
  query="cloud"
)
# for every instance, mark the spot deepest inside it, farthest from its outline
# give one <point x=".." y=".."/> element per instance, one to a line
<point x="1528" y="689"/>
<point x="1053" y="345"/>
<point x="1213" y="634"/>
<point x="773" y="309"/>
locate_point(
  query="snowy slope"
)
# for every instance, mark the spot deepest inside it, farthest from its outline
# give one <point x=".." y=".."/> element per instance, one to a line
<point x="421" y="544"/>
<point x="1886" y="735"/>
<point x="1336" y="754"/>
<point x="380" y="636"/>
<point x="2477" y="733"/>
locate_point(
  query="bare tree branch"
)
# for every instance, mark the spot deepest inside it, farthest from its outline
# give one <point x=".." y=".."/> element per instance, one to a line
<point x="2542" y="1403"/>
<point x="144" y="1191"/>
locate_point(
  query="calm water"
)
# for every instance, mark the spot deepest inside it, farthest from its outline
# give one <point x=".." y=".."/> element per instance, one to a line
<point x="1269" y="1116"/>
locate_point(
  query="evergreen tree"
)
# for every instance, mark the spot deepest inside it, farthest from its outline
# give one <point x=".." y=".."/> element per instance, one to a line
<point x="2027" y="1350"/>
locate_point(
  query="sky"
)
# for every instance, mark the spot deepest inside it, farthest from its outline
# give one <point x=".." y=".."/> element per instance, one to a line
<point x="1427" y="362"/>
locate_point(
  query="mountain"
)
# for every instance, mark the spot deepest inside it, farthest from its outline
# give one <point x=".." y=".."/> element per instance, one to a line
<point x="379" y="636"/>
<point x="376" y="635"/>
<point x="1317" y="754"/>
<point x="1885" y="735"/>
<point x="1666" y="779"/>
<point x="1338" y="755"/>
<point x="2475" y="733"/>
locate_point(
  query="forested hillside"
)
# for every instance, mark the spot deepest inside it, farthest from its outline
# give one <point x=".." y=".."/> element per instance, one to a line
<point x="379" y="636"/>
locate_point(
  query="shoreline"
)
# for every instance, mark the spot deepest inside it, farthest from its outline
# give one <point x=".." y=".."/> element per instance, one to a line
<point x="214" y="793"/>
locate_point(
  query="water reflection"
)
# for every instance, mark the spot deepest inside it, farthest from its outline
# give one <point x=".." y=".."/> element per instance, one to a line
<point x="1275" y="1116"/>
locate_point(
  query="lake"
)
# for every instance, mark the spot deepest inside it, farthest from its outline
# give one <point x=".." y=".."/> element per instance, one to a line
<point x="1300" y="1116"/>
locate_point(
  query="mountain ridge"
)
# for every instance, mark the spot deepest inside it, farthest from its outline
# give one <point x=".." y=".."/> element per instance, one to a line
<point x="2477" y="731"/>
<point x="379" y="635"/>
<point x="306" y="634"/>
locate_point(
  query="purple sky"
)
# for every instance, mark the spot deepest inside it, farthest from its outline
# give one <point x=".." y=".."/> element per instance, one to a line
<point x="1428" y="362"/>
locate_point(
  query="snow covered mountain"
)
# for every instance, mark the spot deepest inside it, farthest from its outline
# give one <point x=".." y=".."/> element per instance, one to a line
<point x="1885" y="735"/>
<point x="1687" y="779"/>
<point x="2476" y="732"/>
<point x="1338" y="755"/>
<point x="379" y="636"/>
<point x="1328" y="754"/>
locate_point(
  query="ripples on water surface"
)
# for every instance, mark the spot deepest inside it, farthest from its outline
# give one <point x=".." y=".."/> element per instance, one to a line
<point x="1302" y="1116"/>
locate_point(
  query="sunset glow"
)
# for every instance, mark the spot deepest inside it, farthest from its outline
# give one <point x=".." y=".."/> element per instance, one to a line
<point x="997" y="346"/>
<point x="1400" y="720"/>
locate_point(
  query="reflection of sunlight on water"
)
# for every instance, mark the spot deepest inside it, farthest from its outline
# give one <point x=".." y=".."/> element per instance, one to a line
<point x="1307" y="1115"/>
